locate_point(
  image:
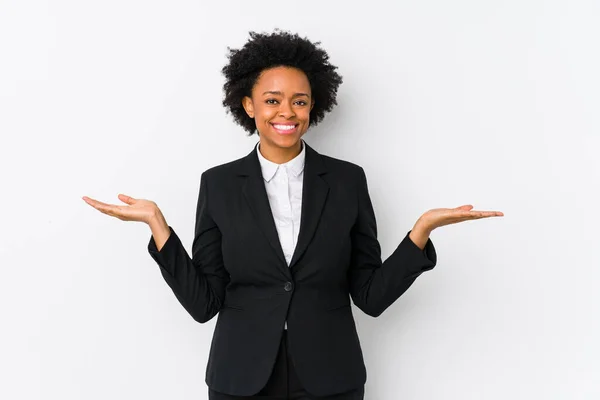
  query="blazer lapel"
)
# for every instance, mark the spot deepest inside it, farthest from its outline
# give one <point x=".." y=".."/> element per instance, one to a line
<point x="256" y="195"/>
<point x="314" y="194"/>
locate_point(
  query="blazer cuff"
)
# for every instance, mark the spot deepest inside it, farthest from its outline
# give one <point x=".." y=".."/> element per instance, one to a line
<point x="422" y="260"/>
<point x="168" y="253"/>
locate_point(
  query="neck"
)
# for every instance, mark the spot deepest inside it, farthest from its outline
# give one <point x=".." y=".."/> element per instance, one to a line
<point x="279" y="155"/>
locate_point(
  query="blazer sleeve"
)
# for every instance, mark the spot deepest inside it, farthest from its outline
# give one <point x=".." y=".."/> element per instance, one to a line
<point x="199" y="282"/>
<point x="375" y="285"/>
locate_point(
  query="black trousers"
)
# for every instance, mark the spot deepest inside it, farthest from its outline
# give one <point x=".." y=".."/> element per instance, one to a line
<point x="283" y="384"/>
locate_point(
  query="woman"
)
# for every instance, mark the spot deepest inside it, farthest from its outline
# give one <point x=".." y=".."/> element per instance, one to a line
<point x="284" y="237"/>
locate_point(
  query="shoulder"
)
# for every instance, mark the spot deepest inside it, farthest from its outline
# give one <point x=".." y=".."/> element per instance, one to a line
<point x="220" y="177"/>
<point x="222" y="170"/>
<point x="240" y="166"/>
<point x="339" y="164"/>
<point x="343" y="167"/>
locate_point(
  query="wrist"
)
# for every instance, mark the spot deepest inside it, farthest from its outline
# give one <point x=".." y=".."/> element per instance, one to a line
<point x="420" y="234"/>
<point x="422" y="227"/>
<point x="160" y="229"/>
<point x="156" y="218"/>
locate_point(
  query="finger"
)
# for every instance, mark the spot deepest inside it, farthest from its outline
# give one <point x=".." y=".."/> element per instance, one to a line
<point x="95" y="203"/>
<point x="117" y="212"/>
<point x="108" y="209"/>
<point x="458" y="217"/>
<point x="483" y="214"/>
<point x="103" y="207"/>
<point x="462" y="215"/>
<point x="91" y="201"/>
<point x="465" y="214"/>
<point x="126" y="199"/>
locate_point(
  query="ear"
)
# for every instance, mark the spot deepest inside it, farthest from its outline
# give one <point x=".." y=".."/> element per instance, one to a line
<point x="312" y="104"/>
<point x="248" y="106"/>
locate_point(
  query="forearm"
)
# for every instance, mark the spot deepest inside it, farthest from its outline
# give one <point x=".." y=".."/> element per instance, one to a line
<point x="199" y="281"/>
<point x="199" y="286"/>
<point x="376" y="285"/>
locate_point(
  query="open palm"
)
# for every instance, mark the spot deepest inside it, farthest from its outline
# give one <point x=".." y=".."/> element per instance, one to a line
<point x="445" y="216"/>
<point x="136" y="209"/>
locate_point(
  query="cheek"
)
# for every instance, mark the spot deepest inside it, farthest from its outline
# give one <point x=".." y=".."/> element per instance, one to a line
<point x="267" y="113"/>
<point x="305" y="115"/>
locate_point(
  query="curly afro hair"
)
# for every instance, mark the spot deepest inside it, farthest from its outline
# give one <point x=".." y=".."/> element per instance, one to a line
<point x="264" y="51"/>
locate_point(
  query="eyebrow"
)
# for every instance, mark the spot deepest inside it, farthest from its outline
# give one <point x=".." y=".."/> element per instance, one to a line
<point x="280" y="94"/>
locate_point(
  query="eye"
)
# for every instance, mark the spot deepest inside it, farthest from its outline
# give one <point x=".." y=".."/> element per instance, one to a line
<point x="271" y="101"/>
<point x="301" y="103"/>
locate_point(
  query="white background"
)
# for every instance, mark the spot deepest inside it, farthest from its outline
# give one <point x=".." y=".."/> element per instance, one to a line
<point x="443" y="103"/>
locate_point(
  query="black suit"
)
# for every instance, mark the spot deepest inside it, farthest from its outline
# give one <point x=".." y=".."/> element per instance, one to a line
<point x="238" y="270"/>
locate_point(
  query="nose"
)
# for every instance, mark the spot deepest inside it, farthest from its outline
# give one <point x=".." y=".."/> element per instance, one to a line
<point x="286" y="110"/>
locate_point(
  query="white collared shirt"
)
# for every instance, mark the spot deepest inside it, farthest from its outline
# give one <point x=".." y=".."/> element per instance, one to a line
<point x="283" y="183"/>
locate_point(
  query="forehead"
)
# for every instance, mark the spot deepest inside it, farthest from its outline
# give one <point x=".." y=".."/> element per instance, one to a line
<point x="282" y="79"/>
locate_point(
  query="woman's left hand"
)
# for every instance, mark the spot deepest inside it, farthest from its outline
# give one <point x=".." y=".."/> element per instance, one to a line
<point x="437" y="217"/>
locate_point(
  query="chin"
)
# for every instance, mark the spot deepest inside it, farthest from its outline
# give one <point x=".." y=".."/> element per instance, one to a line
<point x="288" y="142"/>
<point x="284" y="141"/>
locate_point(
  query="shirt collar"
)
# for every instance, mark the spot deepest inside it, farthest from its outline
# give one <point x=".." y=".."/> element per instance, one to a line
<point x="295" y="166"/>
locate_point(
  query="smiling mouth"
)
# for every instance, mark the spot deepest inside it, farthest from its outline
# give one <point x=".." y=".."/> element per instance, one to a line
<point x="285" y="129"/>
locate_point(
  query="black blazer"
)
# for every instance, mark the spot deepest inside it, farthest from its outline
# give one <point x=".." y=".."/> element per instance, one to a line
<point x="238" y="270"/>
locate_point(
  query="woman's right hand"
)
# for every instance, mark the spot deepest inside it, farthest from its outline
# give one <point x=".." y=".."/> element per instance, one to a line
<point x="137" y="209"/>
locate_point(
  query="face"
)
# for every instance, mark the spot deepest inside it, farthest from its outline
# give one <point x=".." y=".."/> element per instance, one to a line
<point x="280" y="105"/>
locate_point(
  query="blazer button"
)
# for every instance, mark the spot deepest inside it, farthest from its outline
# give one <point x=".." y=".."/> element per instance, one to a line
<point x="288" y="286"/>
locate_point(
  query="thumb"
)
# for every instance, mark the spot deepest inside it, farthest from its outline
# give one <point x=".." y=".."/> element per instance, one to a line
<point x="127" y="199"/>
<point x="466" y="207"/>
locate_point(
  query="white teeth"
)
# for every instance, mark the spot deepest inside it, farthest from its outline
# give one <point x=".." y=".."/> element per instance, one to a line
<point x="285" y="127"/>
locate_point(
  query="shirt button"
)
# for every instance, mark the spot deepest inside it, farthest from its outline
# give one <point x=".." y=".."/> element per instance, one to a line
<point x="288" y="286"/>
